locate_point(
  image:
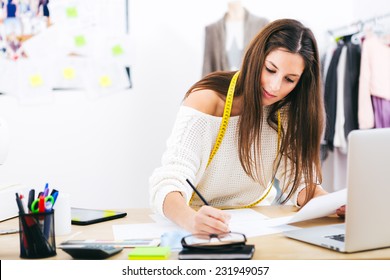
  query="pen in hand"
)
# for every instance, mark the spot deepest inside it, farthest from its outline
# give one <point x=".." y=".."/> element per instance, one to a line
<point x="198" y="193"/>
<point x="225" y="217"/>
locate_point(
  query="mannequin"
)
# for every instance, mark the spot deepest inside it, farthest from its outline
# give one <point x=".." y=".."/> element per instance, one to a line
<point x="234" y="26"/>
<point x="236" y="11"/>
<point x="226" y="39"/>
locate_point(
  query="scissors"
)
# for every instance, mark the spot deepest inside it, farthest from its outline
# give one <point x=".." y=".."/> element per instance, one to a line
<point x="42" y="203"/>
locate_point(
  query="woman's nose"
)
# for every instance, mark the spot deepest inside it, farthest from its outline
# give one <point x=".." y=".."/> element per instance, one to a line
<point x="275" y="84"/>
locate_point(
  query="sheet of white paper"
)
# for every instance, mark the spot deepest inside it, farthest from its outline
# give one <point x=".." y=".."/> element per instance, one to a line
<point x="317" y="207"/>
<point x="247" y="221"/>
<point x="321" y="206"/>
<point x="69" y="73"/>
<point x="239" y="216"/>
<point x="134" y="231"/>
<point x="105" y="78"/>
<point x="34" y="81"/>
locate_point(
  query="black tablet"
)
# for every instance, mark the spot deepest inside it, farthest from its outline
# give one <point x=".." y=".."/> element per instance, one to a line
<point x="81" y="216"/>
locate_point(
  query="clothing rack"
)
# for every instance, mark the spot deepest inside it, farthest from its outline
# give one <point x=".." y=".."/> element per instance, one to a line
<point x="358" y="25"/>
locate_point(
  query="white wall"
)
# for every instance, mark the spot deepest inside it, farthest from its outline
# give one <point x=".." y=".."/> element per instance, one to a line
<point x="102" y="151"/>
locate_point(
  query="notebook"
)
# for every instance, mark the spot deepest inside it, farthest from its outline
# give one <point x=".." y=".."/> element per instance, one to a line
<point x="244" y="252"/>
<point x="367" y="222"/>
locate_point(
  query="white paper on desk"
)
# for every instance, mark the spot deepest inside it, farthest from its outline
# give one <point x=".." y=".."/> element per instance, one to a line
<point x="247" y="221"/>
<point x="239" y="216"/>
<point x="146" y="231"/>
<point x="317" y="207"/>
<point x="253" y="223"/>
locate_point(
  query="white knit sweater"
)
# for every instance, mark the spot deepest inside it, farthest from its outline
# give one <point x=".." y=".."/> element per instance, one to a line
<point x="224" y="183"/>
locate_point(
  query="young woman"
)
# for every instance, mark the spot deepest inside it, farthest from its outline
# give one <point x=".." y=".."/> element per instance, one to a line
<point x="270" y="152"/>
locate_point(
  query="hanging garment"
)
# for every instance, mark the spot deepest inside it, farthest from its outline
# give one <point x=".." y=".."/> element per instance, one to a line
<point x="215" y="56"/>
<point x="339" y="140"/>
<point x="341" y="94"/>
<point x="330" y="97"/>
<point x="381" y="112"/>
<point x="351" y="88"/>
<point x="374" y="81"/>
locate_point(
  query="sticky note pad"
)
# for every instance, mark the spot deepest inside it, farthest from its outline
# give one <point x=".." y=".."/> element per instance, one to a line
<point x="105" y="81"/>
<point x="108" y="213"/>
<point x="71" y="12"/>
<point x="117" y="50"/>
<point x="36" y="80"/>
<point x="149" y="253"/>
<point x="80" y="41"/>
<point x="68" y="73"/>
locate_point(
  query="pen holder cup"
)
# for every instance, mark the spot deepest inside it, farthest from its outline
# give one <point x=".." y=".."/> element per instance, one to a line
<point x="37" y="237"/>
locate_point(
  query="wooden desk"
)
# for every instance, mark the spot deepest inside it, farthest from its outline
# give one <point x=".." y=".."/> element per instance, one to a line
<point x="269" y="247"/>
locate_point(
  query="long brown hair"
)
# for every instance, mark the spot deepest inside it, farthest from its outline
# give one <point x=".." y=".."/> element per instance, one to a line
<point x="303" y="107"/>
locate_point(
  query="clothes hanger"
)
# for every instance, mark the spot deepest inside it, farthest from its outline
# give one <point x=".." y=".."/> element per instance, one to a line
<point x="358" y="37"/>
<point x="345" y="34"/>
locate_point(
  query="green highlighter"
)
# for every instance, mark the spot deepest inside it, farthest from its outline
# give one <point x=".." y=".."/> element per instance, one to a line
<point x="150" y="253"/>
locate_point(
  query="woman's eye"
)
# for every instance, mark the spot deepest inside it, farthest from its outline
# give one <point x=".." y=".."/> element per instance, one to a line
<point x="289" y="80"/>
<point x="269" y="70"/>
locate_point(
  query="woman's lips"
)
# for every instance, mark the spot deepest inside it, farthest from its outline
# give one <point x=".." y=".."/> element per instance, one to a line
<point x="267" y="94"/>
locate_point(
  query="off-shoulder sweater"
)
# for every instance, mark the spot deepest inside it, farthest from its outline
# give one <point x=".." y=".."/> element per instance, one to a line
<point x="224" y="183"/>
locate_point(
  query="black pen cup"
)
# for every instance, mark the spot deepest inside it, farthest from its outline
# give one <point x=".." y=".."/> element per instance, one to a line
<point x="37" y="236"/>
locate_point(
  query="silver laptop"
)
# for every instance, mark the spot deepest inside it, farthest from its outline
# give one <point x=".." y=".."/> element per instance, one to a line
<point x="367" y="221"/>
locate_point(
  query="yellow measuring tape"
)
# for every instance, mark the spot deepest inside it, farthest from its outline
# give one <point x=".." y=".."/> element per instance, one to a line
<point x="225" y="117"/>
<point x="221" y="134"/>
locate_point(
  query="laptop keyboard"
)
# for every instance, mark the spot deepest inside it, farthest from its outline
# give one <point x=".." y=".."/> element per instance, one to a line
<point x="338" y="237"/>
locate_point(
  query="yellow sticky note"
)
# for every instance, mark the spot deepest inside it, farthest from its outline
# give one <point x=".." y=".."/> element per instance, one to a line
<point x="117" y="50"/>
<point x="80" y="41"/>
<point x="108" y="213"/>
<point x="71" y="12"/>
<point x="36" y="80"/>
<point x="149" y="253"/>
<point x="68" y="73"/>
<point x="105" y="81"/>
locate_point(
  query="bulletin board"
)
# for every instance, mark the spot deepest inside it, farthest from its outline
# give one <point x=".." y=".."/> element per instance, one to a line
<point x="48" y="46"/>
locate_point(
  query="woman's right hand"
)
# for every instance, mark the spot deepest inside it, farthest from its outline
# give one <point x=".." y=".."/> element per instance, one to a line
<point x="210" y="220"/>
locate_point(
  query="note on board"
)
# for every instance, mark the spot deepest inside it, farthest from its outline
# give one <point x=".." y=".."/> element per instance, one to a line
<point x="71" y="12"/>
<point x="105" y="81"/>
<point x="117" y="50"/>
<point x="36" y="80"/>
<point x="80" y="41"/>
<point x="68" y="73"/>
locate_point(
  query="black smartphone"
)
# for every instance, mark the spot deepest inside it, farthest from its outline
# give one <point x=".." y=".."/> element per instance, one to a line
<point x="83" y="216"/>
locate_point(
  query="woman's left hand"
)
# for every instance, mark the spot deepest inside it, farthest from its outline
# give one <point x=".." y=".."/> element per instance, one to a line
<point x="341" y="211"/>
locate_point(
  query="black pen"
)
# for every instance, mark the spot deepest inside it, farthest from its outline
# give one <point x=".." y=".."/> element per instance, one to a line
<point x="20" y="204"/>
<point x="198" y="193"/>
